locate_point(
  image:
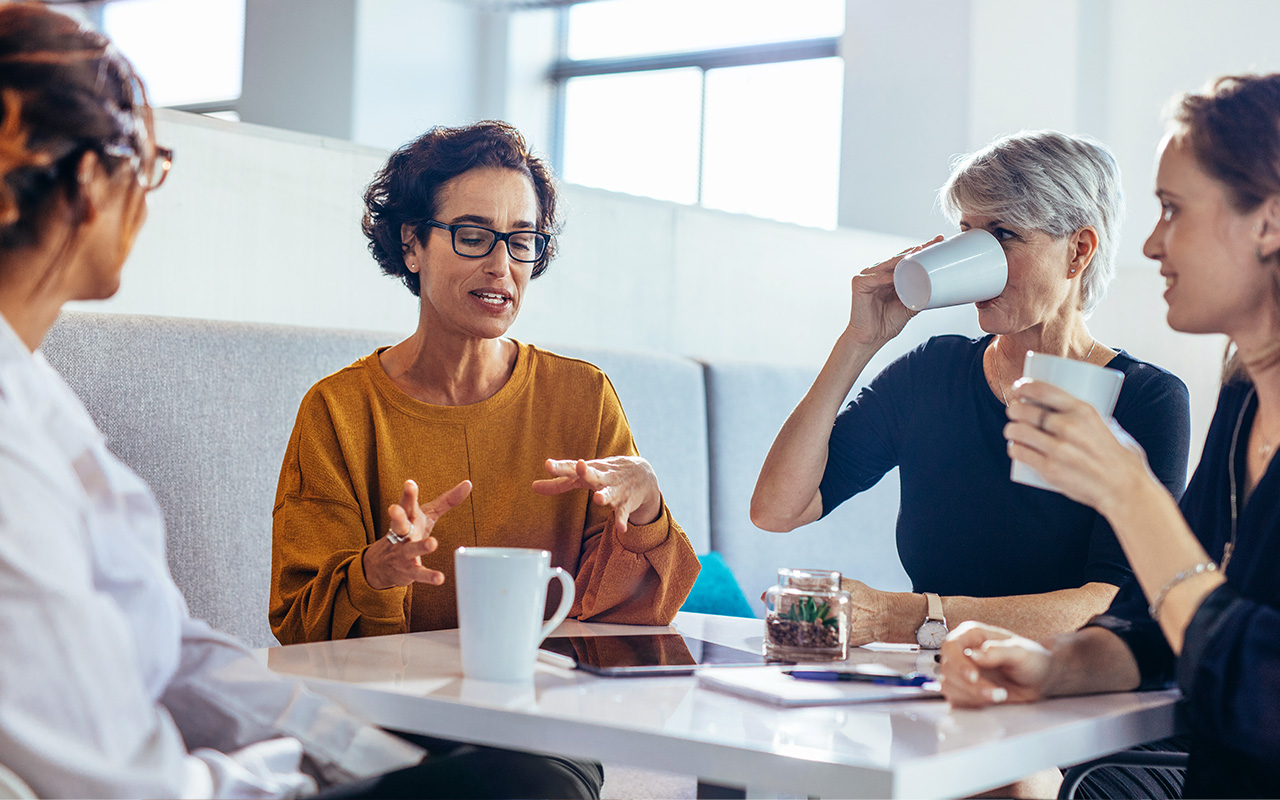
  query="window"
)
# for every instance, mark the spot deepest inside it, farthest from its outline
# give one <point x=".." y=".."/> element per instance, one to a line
<point x="734" y="104"/>
<point x="189" y="54"/>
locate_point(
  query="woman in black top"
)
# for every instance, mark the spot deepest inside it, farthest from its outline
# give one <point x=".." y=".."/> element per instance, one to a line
<point x="996" y="551"/>
<point x="1206" y="607"/>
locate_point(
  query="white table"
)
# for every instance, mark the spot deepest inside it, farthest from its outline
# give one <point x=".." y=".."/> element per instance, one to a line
<point x="923" y="748"/>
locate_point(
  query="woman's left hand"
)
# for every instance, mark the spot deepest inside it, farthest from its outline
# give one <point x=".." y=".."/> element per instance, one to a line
<point x="1092" y="460"/>
<point x="626" y="483"/>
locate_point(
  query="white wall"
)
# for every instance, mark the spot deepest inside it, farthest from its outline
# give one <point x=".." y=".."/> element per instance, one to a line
<point x="257" y="224"/>
<point x="262" y="225"/>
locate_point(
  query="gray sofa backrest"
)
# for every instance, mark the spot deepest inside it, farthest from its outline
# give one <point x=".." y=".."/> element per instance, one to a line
<point x="746" y="406"/>
<point x="202" y="411"/>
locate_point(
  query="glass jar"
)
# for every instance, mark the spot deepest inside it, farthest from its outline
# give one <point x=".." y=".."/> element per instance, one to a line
<point x="807" y="617"/>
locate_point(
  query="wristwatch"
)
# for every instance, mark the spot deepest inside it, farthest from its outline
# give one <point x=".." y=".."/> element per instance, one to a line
<point x="933" y="630"/>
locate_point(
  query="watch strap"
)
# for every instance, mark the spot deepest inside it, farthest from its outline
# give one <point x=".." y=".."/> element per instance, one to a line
<point x="935" y="608"/>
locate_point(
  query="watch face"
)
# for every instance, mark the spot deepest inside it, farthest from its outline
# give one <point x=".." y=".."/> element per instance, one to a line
<point x="931" y="634"/>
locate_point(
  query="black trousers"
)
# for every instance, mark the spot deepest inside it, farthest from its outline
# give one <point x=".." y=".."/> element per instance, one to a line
<point x="457" y="770"/>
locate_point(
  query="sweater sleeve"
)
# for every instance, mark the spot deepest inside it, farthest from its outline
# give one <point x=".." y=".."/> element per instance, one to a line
<point x="319" y="535"/>
<point x="639" y="577"/>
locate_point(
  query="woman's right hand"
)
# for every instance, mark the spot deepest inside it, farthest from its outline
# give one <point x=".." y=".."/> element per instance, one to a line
<point x="983" y="665"/>
<point x="876" y="314"/>
<point x="388" y="564"/>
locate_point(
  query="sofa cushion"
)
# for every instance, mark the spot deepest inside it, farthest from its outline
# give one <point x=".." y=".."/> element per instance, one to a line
<point x="716" y="591"/>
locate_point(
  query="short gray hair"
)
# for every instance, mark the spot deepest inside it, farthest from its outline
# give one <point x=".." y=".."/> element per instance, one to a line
<point x="1049" y="182"/>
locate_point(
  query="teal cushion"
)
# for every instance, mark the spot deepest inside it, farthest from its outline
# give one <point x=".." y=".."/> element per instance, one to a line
<point x="716" y="591"/>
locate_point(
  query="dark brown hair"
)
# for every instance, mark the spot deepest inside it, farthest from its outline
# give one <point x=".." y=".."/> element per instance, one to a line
<point x="406" y="190"/>
<point x="1233" y="131"/>
<point x="64" y="91"/>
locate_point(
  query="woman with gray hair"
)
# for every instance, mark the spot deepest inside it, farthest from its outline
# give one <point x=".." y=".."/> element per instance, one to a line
<point x="976" y="545"/>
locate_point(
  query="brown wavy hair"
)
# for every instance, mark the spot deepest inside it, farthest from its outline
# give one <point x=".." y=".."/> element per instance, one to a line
<point x="406" y="190"/>
<point x="1233" y="130"/>
<point x="64" y="91"/>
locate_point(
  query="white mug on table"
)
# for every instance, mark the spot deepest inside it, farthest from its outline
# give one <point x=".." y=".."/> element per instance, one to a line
<point x="502" y="592"/>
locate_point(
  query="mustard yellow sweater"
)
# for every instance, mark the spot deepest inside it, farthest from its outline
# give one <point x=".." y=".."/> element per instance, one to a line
<point x="358" y="438"/>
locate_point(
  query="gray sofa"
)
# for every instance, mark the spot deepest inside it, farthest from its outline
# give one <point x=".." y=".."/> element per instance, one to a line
<point x="202" y="410"/>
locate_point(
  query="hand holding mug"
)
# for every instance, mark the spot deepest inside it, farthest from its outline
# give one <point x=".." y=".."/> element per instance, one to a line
<point x="1065" y="442"/>
<point x="396" y="559"/>
<point x="626" y="483"/>
<point x="876" y="315"/>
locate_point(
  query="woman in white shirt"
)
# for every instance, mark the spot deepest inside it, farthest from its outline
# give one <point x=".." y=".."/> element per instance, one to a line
<point x="109" y="688"/>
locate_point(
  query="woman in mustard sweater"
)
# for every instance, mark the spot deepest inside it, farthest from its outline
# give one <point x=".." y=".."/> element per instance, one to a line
<point x="519" y="447"/>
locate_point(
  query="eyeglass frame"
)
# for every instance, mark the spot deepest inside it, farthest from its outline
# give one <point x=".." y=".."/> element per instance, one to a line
<point x="163" y="156"/>
<point x="505" y="238"/>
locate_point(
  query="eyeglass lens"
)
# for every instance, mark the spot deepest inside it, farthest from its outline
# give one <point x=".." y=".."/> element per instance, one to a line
<point x="523" y="246"/>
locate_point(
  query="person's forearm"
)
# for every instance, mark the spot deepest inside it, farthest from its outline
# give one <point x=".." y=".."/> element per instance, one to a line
<point x="786" y="492"/>
<point x="1160" y="546"/>
<point x="1089" y="661"/>
<point x="1035" y="616"/>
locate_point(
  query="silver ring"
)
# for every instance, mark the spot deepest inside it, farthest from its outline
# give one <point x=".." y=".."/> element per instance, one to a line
<point x="1044" y="414"/>
<point x="394" y="537"/>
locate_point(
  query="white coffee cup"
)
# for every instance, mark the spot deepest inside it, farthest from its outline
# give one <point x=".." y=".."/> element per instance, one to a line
<point x="1097" y="386"/>
<point x="502" y="592"/>
<point x="963" y="269"/>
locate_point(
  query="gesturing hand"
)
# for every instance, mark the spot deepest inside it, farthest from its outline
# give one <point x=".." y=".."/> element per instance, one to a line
<point x="626" y="483"/>
<point x="387" y="563"/>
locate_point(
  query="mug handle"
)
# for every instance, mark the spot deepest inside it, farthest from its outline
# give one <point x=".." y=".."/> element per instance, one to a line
<point x="566" y="601"/>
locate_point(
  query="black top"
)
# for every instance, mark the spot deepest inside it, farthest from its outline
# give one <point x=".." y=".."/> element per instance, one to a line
<point x="1230" y="665"/>
<point x="964" y="528"/>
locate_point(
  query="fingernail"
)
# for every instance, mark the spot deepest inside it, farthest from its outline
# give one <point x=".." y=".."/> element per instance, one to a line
<point x="968" y="652"/>
<point x="998" y="694"/>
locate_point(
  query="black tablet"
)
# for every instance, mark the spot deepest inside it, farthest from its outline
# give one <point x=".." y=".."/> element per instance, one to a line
<point x="647" y="654"/>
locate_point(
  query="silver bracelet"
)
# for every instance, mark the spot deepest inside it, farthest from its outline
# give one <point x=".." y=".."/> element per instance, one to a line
<point x="1189" y="572"/>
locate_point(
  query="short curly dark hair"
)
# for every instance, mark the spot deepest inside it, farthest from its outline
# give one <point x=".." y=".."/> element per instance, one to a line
<point x="407" y="189"/>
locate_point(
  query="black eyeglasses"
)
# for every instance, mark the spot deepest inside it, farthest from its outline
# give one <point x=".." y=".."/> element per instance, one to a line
<point x="474" y="241"/>
<point x="150" y="174"/>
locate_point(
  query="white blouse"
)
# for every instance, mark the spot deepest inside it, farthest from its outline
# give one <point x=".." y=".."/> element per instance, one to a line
<point x="108" y="688"/>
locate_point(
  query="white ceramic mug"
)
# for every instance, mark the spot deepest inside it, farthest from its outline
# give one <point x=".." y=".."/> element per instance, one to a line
<point x="963" y="269"/>
<point x="502" y="592"/>
<point x="1097" y="386"/>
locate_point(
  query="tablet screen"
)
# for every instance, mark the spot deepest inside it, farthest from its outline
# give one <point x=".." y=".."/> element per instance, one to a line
<point x="647" y="654"/>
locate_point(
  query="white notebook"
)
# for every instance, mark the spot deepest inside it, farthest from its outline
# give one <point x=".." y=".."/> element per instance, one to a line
<point x="772" y="685"/>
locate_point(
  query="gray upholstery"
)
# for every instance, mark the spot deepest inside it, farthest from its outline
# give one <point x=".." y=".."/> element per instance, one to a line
<point x="746" y="405"/>
<point x="202" y="410"/>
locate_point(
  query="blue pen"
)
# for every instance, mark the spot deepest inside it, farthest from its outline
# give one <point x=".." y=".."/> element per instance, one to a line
<point x="909" y="679"/>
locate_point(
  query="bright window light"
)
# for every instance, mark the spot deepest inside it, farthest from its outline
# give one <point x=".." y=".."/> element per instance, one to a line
<point x="622" y="28"/>
<point x="186" y="52"/>
<point x="771" y="144"/>
<point x="635" y="132"/>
